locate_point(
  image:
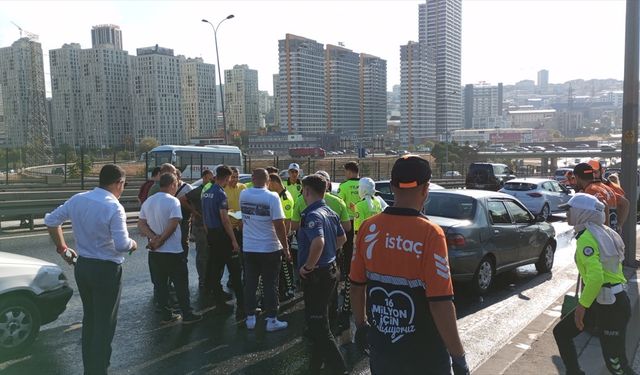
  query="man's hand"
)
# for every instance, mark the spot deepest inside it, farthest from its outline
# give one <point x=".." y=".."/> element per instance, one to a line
<point x="304" y="271"/>
<point x="287" y="254"/>
<point x="69" y="255"/>
<point x="235" y="245"/>
<point x="579" y="316"/>
<point x="361" y="338"/>
<point x="154" y="243"/>
<point x="459" y="365"/>
<point x="134" y="247"/>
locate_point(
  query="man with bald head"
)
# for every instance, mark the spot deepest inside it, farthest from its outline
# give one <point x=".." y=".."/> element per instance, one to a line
<point x="265" y="241"/>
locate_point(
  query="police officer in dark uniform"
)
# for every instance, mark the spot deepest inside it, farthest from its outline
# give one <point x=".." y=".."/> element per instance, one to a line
<point x="319" y="236"/>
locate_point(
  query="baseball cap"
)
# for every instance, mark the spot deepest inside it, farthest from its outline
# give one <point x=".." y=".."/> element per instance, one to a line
<point x="410" y="171"/>
<point x="583" y="201"/>
<point x="583" y="170"/>
<point x="294" y="166"/>
<point x="324" y="174"/>
<point x="595" y="164"/>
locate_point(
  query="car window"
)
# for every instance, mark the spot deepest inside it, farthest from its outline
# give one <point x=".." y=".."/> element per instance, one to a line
<point x="384" y="188"/>
<point x="548" y="187"/>
<point x="453" y="206"/>
<point x="498" y="213"/>
<point x="519" y="213"/>
<point x="498" y="169"/>
<point x="557" y="187"/>
<point x="519" y="186"/>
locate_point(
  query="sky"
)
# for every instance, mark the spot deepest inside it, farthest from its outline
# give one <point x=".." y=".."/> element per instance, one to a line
<point x="502" y="40"/>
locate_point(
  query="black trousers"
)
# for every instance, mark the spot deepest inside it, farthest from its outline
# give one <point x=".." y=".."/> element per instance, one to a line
<point x="318" y="288"/>
<point x="185" y="227"/>
<point x="171" y="267"/>
<point x="99" y="284"/>
<point x="221" y="255"/>
<point x="266" y="265"/>
<point x="611" y="322"/>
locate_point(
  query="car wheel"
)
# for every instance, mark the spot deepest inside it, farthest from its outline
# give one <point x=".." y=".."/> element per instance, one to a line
<point x="483" y="277"/>
<point x="545" y="263"/>
<point x="19" y="324"/>
<point x="545" y="212"/>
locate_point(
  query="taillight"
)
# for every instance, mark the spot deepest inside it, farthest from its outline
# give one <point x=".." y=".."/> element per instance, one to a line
<point x="456" y="240"/>
<point x="534" y="195"/>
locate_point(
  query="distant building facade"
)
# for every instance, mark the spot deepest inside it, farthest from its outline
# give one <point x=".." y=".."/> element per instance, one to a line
<point x="483" y="106"/>
<point x="106" y="36"/>
<point x="241" y="99"/>
<point x="543" y="80"/>
<point x="373" y="95"/>
<point x="417" y="94"/>
<point x="198" y="82"/>
<point x="342" y="90"/>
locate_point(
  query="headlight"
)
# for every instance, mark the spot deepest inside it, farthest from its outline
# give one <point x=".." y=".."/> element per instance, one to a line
<point x="48" y="278"/>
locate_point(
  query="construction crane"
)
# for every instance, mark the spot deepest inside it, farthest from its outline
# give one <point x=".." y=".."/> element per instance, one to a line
<point x="27" y="34"/>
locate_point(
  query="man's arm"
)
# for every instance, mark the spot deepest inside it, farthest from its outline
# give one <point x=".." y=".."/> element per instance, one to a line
<point x="359" y="303"/>
<point x="145" y="229"/>
<point x="295" y="225"/>
<point x="281" y="232"/>
<point x="346" y="225"/>
<point x="228" y="228"/>
<point x="160" y="239"/>
<point x="444" y="316"/>
<point x="184" y="202"/>
<point x="315" y="251"/>
<point x="341" y="240"/>
<point x="622" y="205"/>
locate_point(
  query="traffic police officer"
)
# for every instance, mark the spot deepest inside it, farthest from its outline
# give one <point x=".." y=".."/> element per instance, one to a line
<point x="369" y="205"/>
<point x="604" y="302"/>
<point x="293" y="184"/>
<point x="348" y="192"/>
<point x="401" y="292"/>
<point x="319" y="237"/>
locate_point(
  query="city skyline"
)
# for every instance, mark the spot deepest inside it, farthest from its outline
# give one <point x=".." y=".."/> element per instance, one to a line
<point x="585" y="41"/>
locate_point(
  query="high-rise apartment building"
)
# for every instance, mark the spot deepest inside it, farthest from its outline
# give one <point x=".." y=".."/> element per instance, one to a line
<point x="441" y="32"/>
<point x="241" y="99"/>
<point x="342" y="90"/>
<point x="276" y="101"/>
<point x="302" y="87"/>
<point x="156" y="96"/>
<point x="439" y="52"/>
<point x="417" y="93"/>
<point x="198" y="81"/>
<point x="543" y="80"/>
<point x="3" y="129"/>
<point x="67" y="126"/>
<point x="23" y="98"/>
<point x="483" y="106"/>
<point x="373" y="95"/>
<point x="109" y="36"/>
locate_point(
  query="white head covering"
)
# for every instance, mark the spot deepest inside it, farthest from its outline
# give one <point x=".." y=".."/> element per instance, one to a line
<point x="366" y="190"/>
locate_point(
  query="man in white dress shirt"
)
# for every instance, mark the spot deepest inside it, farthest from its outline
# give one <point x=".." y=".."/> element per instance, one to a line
<point x="101" y="239"/>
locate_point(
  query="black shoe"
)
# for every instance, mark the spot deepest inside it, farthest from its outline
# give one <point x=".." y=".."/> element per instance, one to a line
<point x="169" y="317"/>
<point x="191" y="318"/>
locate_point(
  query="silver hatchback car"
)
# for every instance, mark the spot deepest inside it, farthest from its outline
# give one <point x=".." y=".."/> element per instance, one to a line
<point x="540" y="195"/>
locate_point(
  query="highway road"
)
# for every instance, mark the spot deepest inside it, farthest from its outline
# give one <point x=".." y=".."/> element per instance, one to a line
<point x="219" y="346"/>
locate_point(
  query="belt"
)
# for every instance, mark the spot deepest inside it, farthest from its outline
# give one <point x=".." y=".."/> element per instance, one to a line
<point x="330" y="265"/>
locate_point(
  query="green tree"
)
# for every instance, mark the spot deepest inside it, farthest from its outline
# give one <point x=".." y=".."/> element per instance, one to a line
<point x="75" y="171"/>
<point x="147" y="144"/>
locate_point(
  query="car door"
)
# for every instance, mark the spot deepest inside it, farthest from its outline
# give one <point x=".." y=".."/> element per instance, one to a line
<point x="551" y="195"/>
<point x="504" y="233"/>
<point x="563" y="194"/>
<point x="527" y="243"/>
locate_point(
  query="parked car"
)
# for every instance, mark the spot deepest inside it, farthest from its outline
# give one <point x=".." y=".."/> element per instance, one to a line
<point x="33" y="292"/>
<point x="488" y="176"/>
<point x="607" y="148"/>
<point x="489" y="233"/>
<point x="383" y="189"/>
<point x="540" y="195"/>
<point x="452" y="174"/>
<point x="559" y="174"/>
<point x="390" y="152"/>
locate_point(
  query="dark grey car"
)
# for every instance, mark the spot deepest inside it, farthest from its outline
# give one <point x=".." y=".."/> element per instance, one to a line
<point x="489" y="233"/>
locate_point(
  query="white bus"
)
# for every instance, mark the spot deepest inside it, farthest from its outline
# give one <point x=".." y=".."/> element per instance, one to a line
<point x="191" y="160"/>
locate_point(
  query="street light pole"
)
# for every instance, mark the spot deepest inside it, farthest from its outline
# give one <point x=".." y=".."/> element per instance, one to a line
<point x="215" y="38"/>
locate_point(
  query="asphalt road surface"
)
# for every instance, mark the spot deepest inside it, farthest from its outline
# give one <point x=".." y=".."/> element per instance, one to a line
<point x="219" y="345"/>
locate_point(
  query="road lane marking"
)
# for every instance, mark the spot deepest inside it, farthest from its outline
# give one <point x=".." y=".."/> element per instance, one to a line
<point x="183" y="349"/>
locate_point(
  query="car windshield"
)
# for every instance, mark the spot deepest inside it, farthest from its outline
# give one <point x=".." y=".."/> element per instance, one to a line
<point x="561" y="172"/>
<point x="519" y="186"/>
<point x="453" y="206"/>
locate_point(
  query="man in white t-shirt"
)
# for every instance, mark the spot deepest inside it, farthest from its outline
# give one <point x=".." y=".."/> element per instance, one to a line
<point x="265" y="240"/>
<point x="160" y="217"/>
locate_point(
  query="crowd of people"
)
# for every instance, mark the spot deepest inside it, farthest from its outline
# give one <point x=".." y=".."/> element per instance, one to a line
<point x="277" y="236"/>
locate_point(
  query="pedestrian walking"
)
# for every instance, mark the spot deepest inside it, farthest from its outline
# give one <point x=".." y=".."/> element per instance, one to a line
<point x="265" y="243"/>
<point x="101" y="238"/>
<point x="348" y="192"/>
<point x="224" y="249"/>
<point x="319" y="237"/>
<point x="604" y="302"/>
<point x="616" y="205"/>
<point x="197" y="227"/>
<point x="143" y="193"/>
<point x="401" y="289"/>
<point x="287" y="286"/>
<point x="160" y="219"/>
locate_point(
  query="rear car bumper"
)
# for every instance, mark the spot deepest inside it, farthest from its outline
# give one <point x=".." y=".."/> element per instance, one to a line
<point x="52" y="304"/>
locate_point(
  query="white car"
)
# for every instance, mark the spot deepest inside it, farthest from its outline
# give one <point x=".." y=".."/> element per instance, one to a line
<point x="33" y="292"/>
<point x="540" y="195"/>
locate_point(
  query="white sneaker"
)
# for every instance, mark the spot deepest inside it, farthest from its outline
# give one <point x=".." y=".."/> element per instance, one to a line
<point x="273" y="324"/>
<point x="251" y="321"/>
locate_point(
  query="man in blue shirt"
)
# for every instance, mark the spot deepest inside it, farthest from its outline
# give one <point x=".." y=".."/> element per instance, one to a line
<point x="101" y="239"/>
<point x="223" y="246"/>
<point x="319" y="236"/>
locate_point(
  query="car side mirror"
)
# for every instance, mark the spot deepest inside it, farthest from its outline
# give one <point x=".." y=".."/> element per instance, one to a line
<point x="539" y="219"/>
